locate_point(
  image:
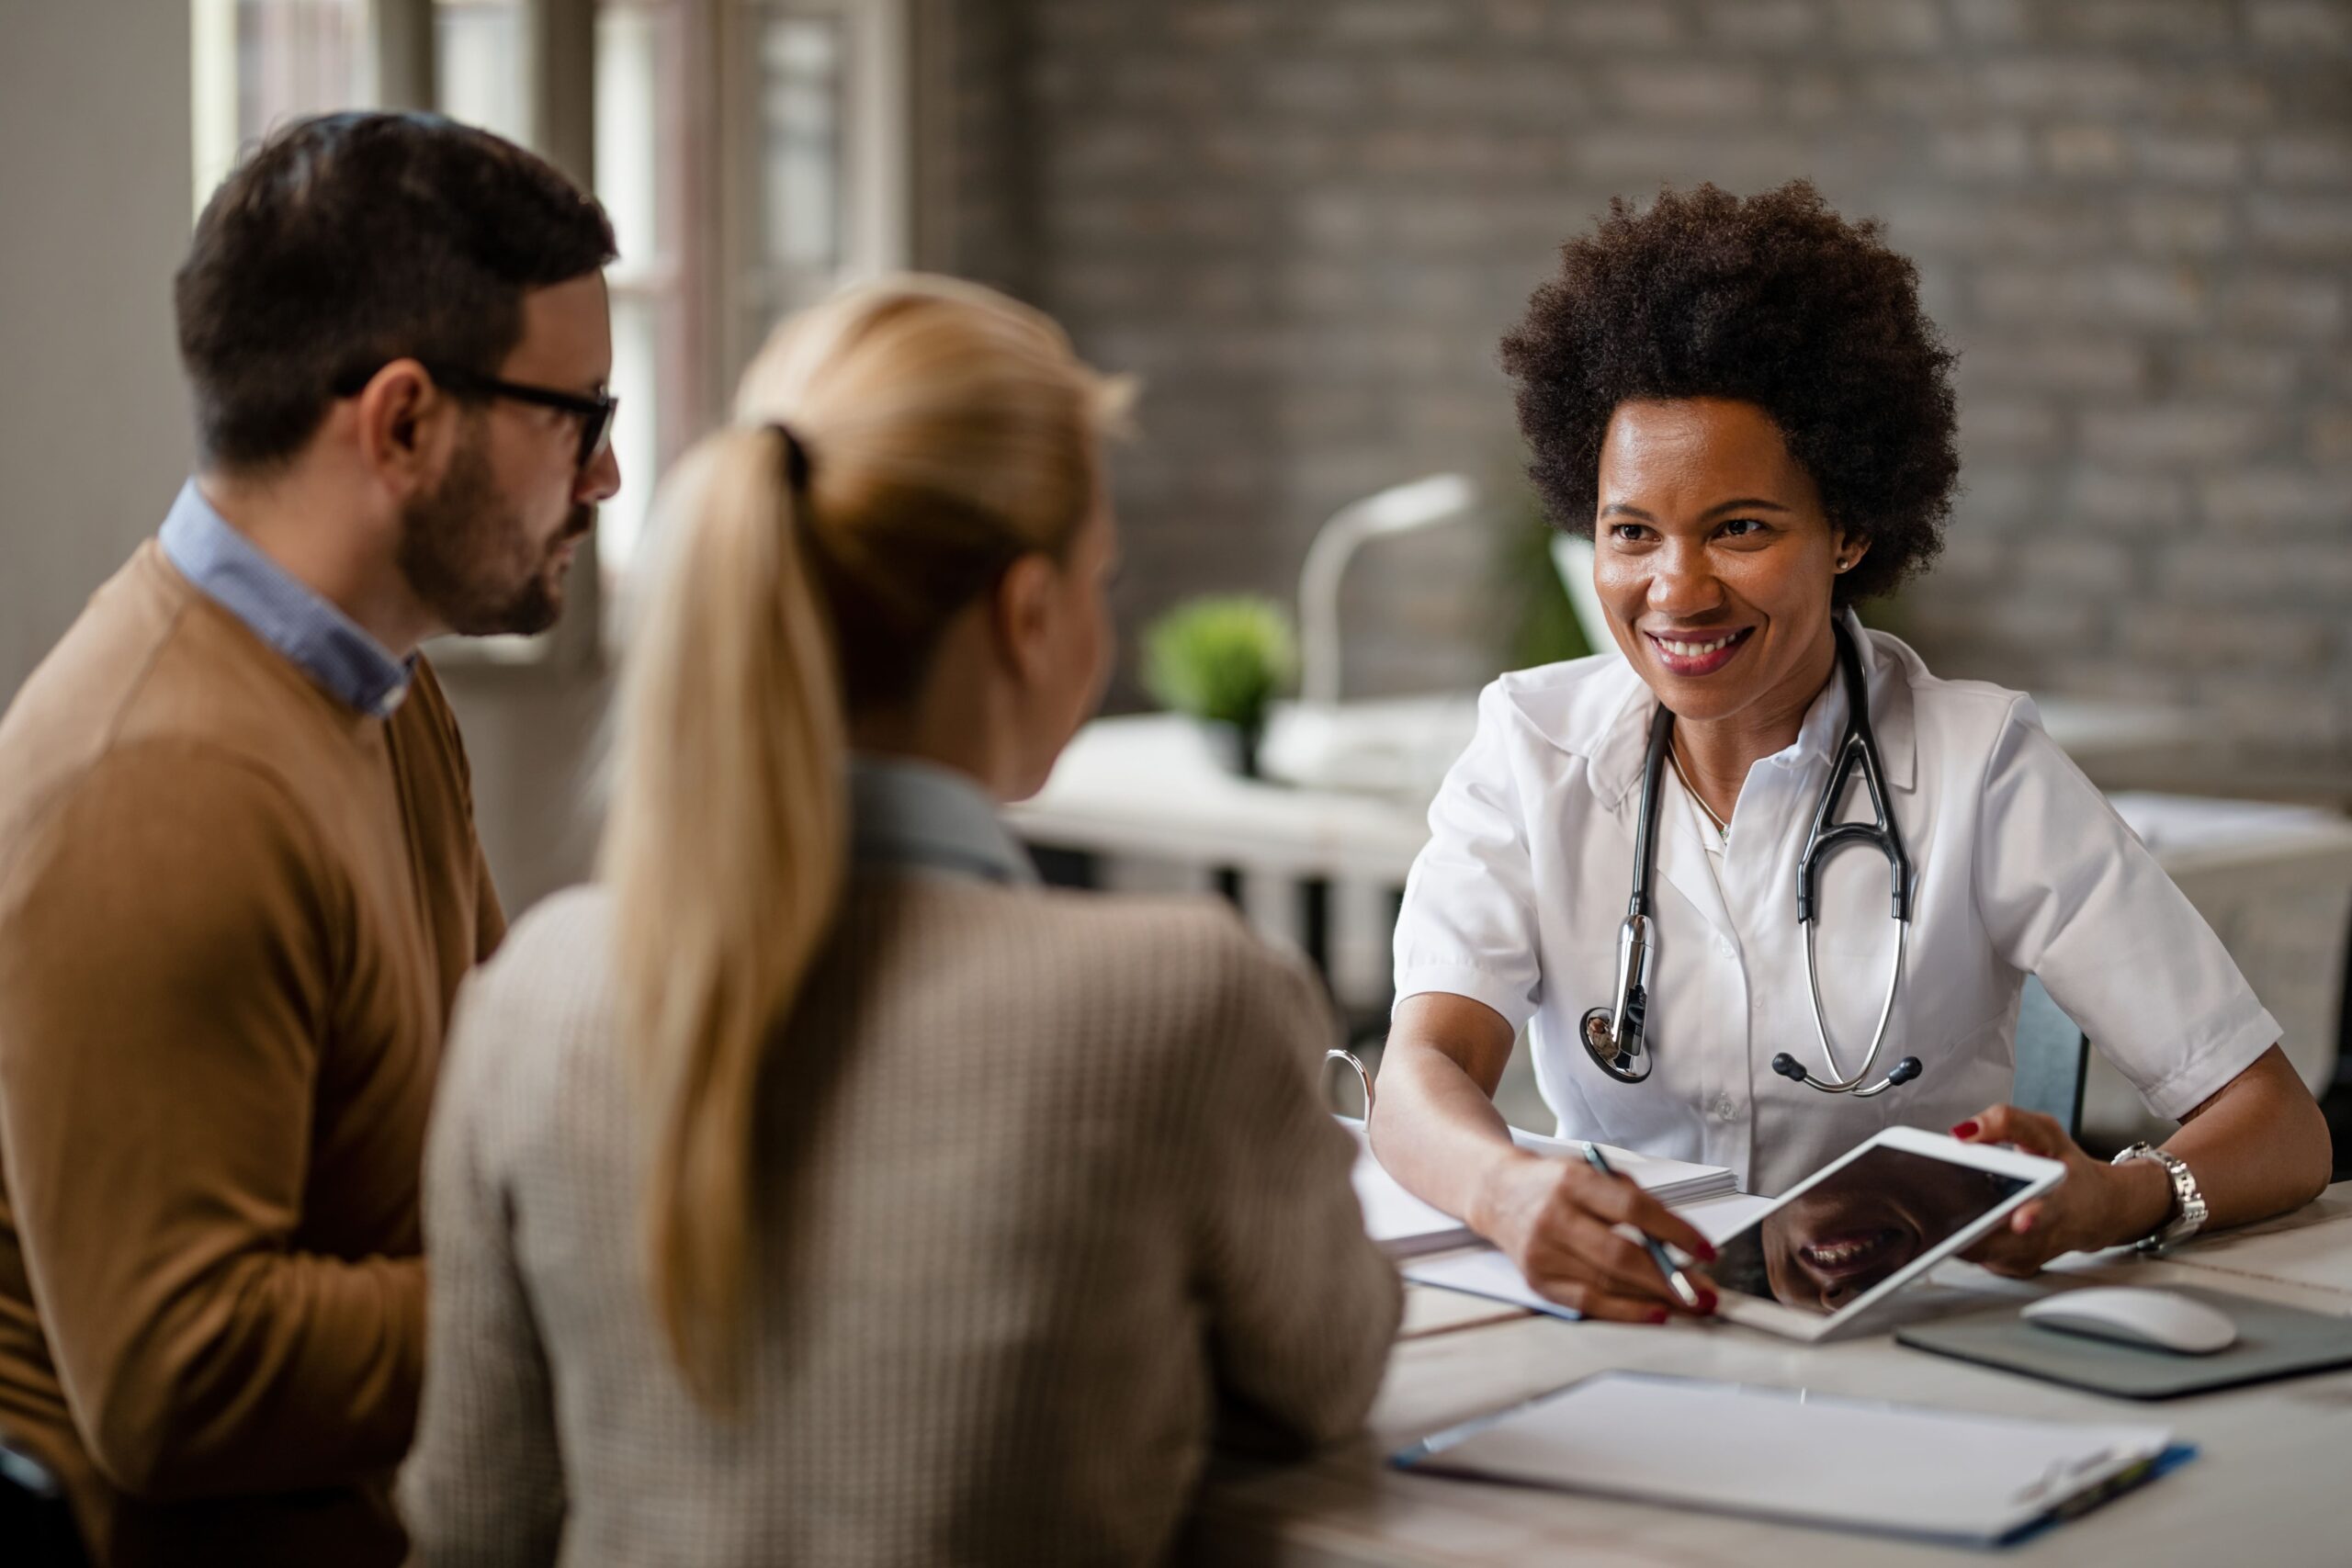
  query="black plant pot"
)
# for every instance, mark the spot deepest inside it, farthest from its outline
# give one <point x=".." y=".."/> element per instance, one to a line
<point x="1234" y="746"/>
<point x="1247" y="739"/>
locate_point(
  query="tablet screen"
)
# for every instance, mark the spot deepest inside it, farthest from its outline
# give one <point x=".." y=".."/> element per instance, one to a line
<point x="1858" y="1227"/>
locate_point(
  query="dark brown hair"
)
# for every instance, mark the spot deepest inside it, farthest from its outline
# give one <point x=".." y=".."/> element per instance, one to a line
<point x="1774" y="300"/>
<point x="350" y="240"/>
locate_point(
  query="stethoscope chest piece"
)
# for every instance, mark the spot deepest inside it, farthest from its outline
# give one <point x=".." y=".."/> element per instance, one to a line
<point x="1621" y="1062"/>
<point x="1616" y="1036"/>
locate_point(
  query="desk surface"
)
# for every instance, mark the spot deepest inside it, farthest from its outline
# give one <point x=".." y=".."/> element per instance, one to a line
<point x="1148" y="785"/>
<point x="2264" y="1489"/>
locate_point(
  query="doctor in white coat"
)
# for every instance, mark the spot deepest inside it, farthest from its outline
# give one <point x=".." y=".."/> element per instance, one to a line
<point x="1742" y="402"/>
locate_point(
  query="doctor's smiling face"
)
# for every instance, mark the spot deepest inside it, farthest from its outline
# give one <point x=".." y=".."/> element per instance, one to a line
<point x="1715" y="560"/>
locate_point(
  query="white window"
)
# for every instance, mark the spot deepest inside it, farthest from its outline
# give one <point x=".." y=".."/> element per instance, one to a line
<point x="651" y="139"/>
<point x="752" y="155"/>
<point x="258" y="62"/>
<point x="481" y="64"/>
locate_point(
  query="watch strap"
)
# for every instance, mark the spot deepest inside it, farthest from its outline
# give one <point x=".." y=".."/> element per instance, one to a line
<point x="2188" y="1215"/>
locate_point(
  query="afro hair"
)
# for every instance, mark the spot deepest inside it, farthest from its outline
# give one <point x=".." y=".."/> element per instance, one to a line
<point x="1773" y="300"/>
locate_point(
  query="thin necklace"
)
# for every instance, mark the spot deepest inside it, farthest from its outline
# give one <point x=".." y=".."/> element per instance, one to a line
<point x="1722" y="829"/>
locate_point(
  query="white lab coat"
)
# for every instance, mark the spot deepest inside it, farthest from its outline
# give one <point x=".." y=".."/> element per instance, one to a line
<point x="2020" y="867"/>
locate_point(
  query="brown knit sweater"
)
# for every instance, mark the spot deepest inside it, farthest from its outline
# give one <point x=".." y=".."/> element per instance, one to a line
<point x="1049" y="1193"/>
<point x="233" y="913"/>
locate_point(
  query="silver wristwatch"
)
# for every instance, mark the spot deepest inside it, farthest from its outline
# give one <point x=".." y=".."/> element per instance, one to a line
<point x="2187" y="1202"/>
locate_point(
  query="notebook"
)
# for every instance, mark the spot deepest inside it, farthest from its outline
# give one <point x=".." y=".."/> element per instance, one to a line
<point x="1406" y="1227"/>
<point x="1796" y="1457"/>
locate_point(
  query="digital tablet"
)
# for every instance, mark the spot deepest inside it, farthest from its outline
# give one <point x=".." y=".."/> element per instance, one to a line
<point x="1846" y="1238"/>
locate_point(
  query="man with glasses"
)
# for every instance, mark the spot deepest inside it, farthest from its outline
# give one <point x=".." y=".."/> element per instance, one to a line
<point x="239" y="880"/>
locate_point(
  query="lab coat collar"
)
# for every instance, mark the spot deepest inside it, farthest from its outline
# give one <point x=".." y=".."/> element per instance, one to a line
<point x="1614" y="757"/>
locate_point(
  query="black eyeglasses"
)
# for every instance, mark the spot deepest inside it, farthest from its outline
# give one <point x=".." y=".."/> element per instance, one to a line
<point x="595" y="414"/>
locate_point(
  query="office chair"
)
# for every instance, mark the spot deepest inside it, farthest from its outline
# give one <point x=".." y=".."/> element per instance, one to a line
<point x="36" y="1523"/>
<point x="2054" y="1058"/>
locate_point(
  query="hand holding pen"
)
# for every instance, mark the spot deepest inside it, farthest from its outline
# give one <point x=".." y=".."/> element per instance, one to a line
<point x="1557" y="1220"/>
<point x="1679" y="1282"/>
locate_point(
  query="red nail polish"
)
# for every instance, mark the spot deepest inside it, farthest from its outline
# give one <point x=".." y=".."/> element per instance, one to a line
<point x="1707" y="1303"/>
<point x="1707" y="1253"/>
<point x="1965" y="1130"/>
<point x="1657" y="1314"/>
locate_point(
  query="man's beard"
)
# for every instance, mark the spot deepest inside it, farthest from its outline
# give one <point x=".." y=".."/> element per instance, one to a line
<point x="466" y="555"/>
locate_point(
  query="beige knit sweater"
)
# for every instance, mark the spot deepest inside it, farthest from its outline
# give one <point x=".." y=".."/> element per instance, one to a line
<point x="1050" y="1190"/>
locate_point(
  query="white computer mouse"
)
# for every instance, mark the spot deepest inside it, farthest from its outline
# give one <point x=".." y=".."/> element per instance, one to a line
<point x="2132" y="1316"/>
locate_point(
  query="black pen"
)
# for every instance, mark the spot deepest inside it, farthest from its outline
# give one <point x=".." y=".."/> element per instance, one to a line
<point x="1674" y="1277"/>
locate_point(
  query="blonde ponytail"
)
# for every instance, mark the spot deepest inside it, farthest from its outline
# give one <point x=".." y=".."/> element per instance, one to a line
<point x="725" y="851"/>
<point x="943" y="431"/>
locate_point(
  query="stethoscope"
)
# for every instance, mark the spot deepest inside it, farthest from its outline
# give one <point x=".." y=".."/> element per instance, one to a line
<point x="1616" y="1036"/>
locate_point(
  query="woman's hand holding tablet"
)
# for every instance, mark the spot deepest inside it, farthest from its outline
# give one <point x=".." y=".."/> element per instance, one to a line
<point x="1851" y="1234"/>
<point x="2096" y="1205"/>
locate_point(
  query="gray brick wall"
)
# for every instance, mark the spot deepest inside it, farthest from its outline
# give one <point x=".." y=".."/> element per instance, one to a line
<point x="1305" y="223"/>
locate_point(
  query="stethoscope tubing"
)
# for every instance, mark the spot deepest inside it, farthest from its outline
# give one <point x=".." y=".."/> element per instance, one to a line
<point x="1853" y="1086"/>
<point x="1617" y="1037"/>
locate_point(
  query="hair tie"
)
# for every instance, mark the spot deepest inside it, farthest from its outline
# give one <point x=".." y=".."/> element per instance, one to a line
<point x="795" y="458"/>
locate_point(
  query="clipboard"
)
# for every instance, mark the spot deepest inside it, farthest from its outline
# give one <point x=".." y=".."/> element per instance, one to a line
<point x="1799" y="1458"/>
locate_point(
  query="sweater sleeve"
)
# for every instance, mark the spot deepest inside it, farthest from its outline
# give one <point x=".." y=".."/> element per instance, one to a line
<point x="485" y="1484"/>
<point x="490" y="915"/>
<point x="165" y="964"/>
<point x="1303" y="1305"/>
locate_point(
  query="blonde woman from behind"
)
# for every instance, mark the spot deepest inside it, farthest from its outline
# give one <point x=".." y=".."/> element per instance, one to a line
<point x="817" y="1187"/>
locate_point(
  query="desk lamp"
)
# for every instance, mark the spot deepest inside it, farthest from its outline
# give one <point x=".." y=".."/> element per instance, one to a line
<point x="1400" y="509"/>
<point x="1389" y="747"/>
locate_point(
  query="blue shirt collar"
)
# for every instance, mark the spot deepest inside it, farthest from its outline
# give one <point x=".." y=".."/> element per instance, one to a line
<point x="908" y="814"/>
<point x="325" y="644"/>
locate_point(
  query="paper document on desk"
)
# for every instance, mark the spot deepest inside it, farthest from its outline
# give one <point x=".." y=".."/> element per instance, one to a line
<point x="1493" y="1275"/>
<point x="1485" y="1272"/>
<point x="1406" y="1227"/>
<point x="1800" y="1457"/>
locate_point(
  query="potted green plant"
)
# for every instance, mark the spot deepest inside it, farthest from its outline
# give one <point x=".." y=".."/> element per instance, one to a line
<point x="1222" y="659"/>
<point x="1534" y="605"/>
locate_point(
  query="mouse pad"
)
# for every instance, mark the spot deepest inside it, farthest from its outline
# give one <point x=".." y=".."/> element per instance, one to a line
<point x="2273" y="1342"/>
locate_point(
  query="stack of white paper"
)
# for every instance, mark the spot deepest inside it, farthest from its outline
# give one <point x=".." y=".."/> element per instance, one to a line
<point x="1406" y="1227"/>
<point x="1489" y="1273"/>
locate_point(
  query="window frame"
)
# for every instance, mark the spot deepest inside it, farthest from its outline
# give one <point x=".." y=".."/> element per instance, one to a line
<point x="717" y="288"/>
<point x="877" y="172"/>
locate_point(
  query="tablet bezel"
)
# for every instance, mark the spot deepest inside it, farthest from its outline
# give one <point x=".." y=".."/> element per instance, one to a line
<point x="2040" y="1176"/>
